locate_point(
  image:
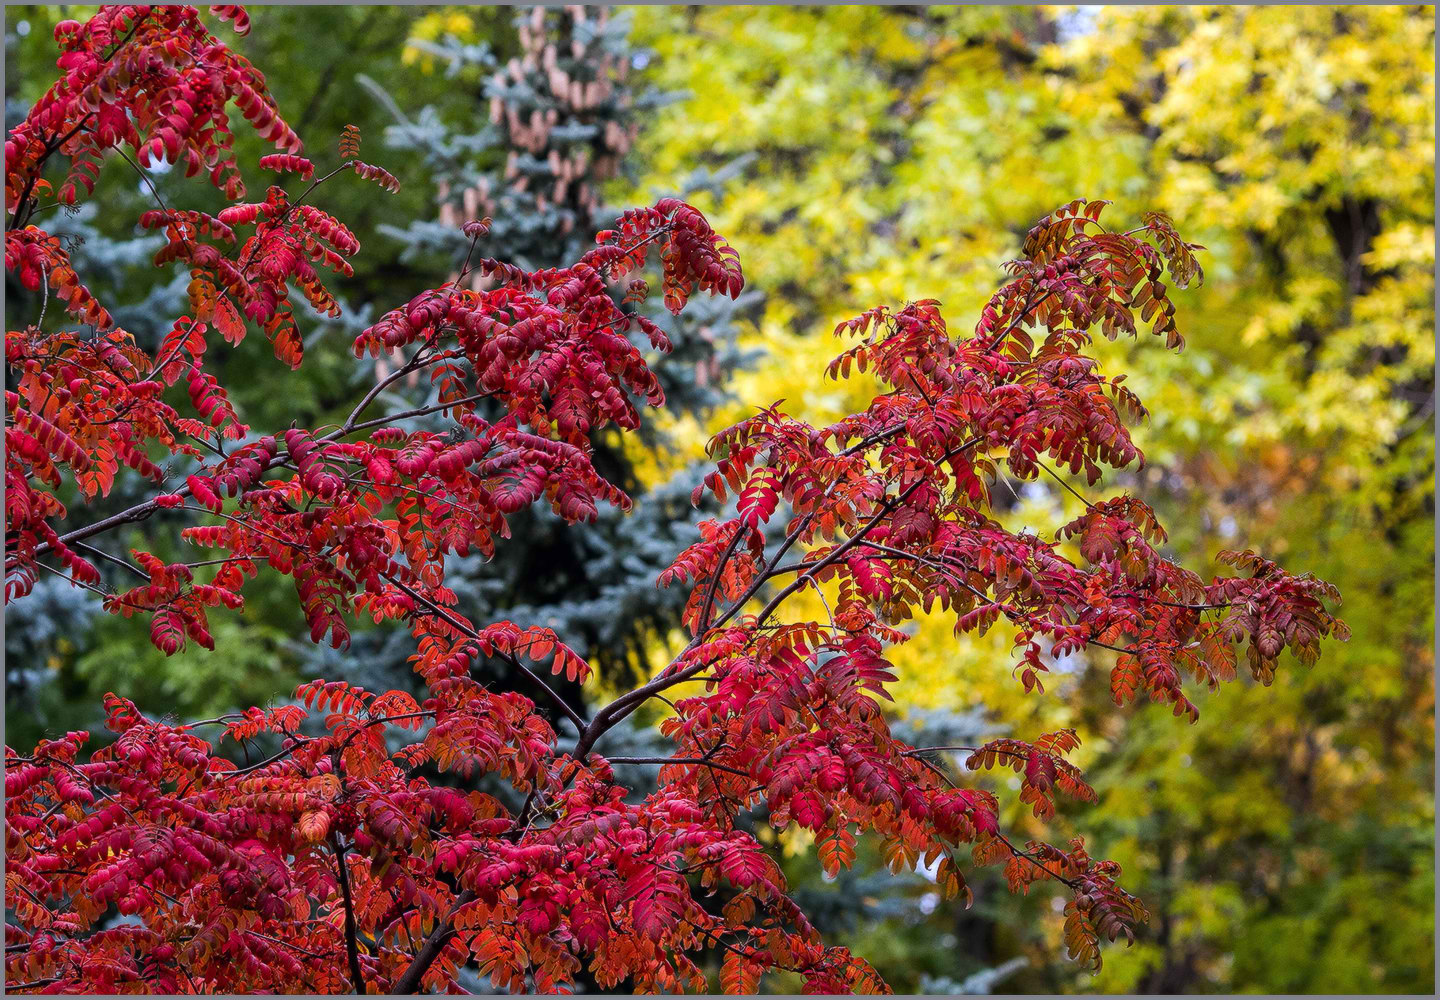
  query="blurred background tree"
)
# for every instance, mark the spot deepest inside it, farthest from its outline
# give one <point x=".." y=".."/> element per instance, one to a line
<point x="859" y="155"/>
<point x="903" y="152"/>
<point x="556" y="108"/>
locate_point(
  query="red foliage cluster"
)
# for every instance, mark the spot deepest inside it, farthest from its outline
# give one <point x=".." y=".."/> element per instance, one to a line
<point x="154" y="79"/>
<point x="358" y="856"/>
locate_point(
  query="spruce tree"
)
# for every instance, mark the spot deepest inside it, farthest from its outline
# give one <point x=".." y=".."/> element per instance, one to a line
<point x="556" y="120"/>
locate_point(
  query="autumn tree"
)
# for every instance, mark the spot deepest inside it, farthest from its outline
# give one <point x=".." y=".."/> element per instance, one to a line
<point x="357" y="857"/>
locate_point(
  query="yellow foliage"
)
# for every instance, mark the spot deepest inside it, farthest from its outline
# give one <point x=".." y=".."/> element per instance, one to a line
<point x="903" y="153"/>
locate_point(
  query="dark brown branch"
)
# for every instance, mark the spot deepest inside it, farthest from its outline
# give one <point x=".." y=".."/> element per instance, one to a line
<point x="126" y="564"/>
<point x="467" y="630"/>
<point x="142" y="511"/>
<point x="618" y="709"/>
<point x="352" y="950"/>
<point x="703" y="623"/>
<point x="409" y="981"/>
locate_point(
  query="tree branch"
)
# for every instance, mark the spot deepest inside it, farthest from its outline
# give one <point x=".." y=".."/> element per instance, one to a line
<point x="409" y="981"/>
<point x="352" y="950"/>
